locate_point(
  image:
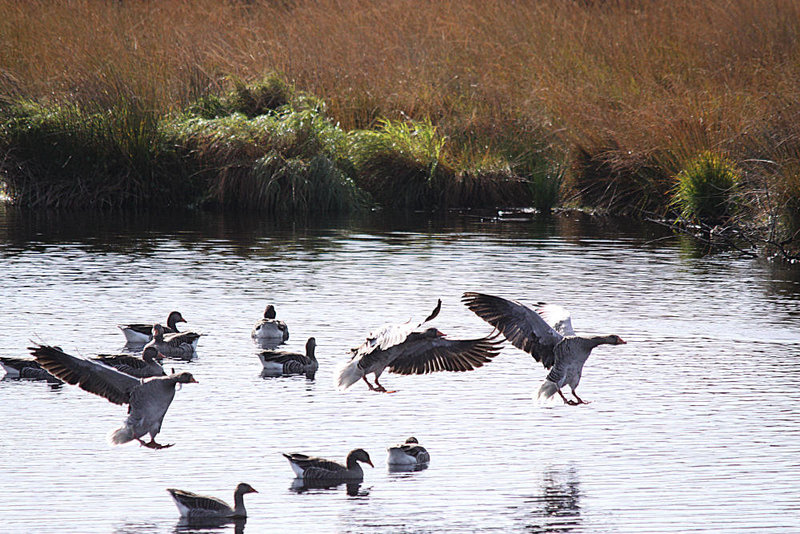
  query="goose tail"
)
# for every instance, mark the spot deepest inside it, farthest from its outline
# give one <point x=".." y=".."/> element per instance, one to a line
<point x="123" y="434"/>
<point x="349" y="374"/>
<point x="547" y="390"/>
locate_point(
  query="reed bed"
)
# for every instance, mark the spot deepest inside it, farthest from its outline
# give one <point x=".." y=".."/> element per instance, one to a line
<point x="603" y="102"/>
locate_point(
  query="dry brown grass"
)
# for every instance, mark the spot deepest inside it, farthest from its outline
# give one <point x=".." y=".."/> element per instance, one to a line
<point x="637" y="87"/>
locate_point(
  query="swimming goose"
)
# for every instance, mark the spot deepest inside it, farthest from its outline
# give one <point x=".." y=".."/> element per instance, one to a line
<point x="409" y="454"/>
<point x="147" y="399"/>
<point x="194" y="506"/>
<point x="270" y="329"/>
<point x="313" y="468"/>
<point x="27" y="369"/>
<point x="177" y="345"/>
<point x="140" y="333"/>
<point x="546" y="334"/>
<point x="405" y="349"/>
<point x="291" y="363"/>
<point x="143" y="367"/>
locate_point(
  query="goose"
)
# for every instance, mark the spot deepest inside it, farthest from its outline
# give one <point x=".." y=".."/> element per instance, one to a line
<point x="147" y="399"/>
<point x="194" y="506"/>
<point x="269" y="328"/>
<point x="312" y="468"/>
<point x="546" y="334"/>
<point x="27" y="369"/>
<point x="140" y="333"/>
<point x="143" y="367"/>
<point x="406" y="349"/>
<point x="290" y="363"/>
<point x="177" y="345"/>
<point x="408" y="454"/>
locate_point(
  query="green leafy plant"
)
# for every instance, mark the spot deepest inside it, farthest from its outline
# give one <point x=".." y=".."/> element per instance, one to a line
<point x="707" y="189"/>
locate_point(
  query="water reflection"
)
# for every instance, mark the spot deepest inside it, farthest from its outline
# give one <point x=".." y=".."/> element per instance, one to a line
<point x="411" y="468"/>
<point x="303" y="486"/>
<point x="209" y="525"/>
<point x="556" y="507"/>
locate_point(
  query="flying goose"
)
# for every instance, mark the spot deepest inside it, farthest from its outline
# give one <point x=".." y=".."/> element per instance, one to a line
<point x="194" y="506"/>
<point x="143" y="367"/>
<point x="269" y="329"/>
<point x="546" y="334"/>
<point x="313" y="468"/>
<point x="178" y="345"/>
<point x="291" y="363"/>
<point x="140" y="333"/>
<point x="147" y="399"/>
<point x="409" y="454"/>
<point x="26" y="368"/>
<point x="406" y="349"/>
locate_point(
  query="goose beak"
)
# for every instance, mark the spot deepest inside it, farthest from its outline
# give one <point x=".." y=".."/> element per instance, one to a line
<point x="193" y="381"/>
<point x="370" y="464"/>
<point x="622" y="342"/>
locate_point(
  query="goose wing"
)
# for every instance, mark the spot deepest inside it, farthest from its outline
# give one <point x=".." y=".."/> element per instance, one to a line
<point x="117" y="360"/>
<point x="89" y="375"/>
<point x="391" y="334"/>
<point x="180" y="338"/>
<point x="427" y="355"/>
<point x="557" y="317"/>
<point x="281" y="357"/>
<point x="312" y="462"/>
<point x="193" y="501"/>
<point x="522" y="326"/>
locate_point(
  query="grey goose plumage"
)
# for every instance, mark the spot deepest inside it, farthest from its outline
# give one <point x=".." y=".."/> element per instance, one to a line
<point x="291" y="363"/>
<point x="27" y="369"/>
<point x="546" y="334"/>
<point x="313" y="468"/>
<point x="269" y="329"/>
<point x="410" y="454"/>
<point x="143" y="367"/>
<point x="408" y="349"/>
<point x="194" y="506"/>
<point x="140" y="333"/>
<point x="147" y="399"/>
<point x="178" y="345"/>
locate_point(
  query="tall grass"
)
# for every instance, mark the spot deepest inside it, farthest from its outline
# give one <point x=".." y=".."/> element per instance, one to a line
<point x="624" y="90"/>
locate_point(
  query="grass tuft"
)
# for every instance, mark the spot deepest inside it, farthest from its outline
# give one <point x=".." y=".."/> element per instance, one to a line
<point x="707" y="189"/>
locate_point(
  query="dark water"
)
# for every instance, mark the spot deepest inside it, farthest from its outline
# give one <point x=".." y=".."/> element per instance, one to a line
<point x="694" y="425"/>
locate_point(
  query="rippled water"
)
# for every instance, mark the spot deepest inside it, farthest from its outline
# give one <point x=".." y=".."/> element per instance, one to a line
<point x="694" y="425"/>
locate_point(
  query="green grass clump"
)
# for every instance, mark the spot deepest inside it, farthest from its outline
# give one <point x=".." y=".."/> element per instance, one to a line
<point x="64" y="156"/>
<point x="706" y="189"/>
<point x="251" y="99"/>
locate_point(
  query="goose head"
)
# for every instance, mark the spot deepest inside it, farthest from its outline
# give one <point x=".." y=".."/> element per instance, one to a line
<point x="358" y="455"/>
<point x="243" y="488"/>
<point x="412" y="439"/>
<point x="158" y="332"/>
<point x="269" y="313"/>
<point x="174" y="318"/>
<point x="432" y="333"/>
<point x="151" y="355"/>
<point x="184" y="378"/>
<point x="616" y="340"/>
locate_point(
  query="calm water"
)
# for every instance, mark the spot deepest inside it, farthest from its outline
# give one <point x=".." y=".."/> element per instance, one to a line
<point x="694" y="425"/>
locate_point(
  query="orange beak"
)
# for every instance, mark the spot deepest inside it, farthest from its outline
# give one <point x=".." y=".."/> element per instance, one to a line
<point x="194" y="381"/>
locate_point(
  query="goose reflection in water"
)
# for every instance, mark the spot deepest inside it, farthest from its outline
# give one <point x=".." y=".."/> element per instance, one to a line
<point x="302" y="486"/>
<point x="209" y="526"/>
<point x="556" y="509"/>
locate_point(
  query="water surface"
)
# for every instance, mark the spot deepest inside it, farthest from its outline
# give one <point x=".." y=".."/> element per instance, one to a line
<point x="694" y="425"/>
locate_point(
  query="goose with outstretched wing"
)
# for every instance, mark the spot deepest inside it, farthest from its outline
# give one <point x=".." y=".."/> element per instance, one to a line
<point x="408" y="349"/>
<point x="147" y="399"/>
<point x="546" y="334"/>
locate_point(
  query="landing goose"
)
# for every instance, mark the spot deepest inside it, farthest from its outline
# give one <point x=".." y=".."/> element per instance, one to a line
<point x="179" y="345"/>
<point x="270" y="329"/>
<point x="406" y="349"/>
<point x="546" y="334"/>
<point x="408" y="454"/>
<point x="140" y="333"/>
<point x="291" y="363"/>
<point x="143" y="367"/>
<point x="312" y="468"/>
<point x="27" y="369"/>
<point x="194" y="506"/>
<point x="147" y="399"/>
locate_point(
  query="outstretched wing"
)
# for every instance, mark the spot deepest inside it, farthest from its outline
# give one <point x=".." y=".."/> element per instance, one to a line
<point x="557" y="317"/>
<point x="89" y="375"/>
<point x="428" y="355"/>
<point x="391" y="334"/>
<point x="522" y="326"/>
